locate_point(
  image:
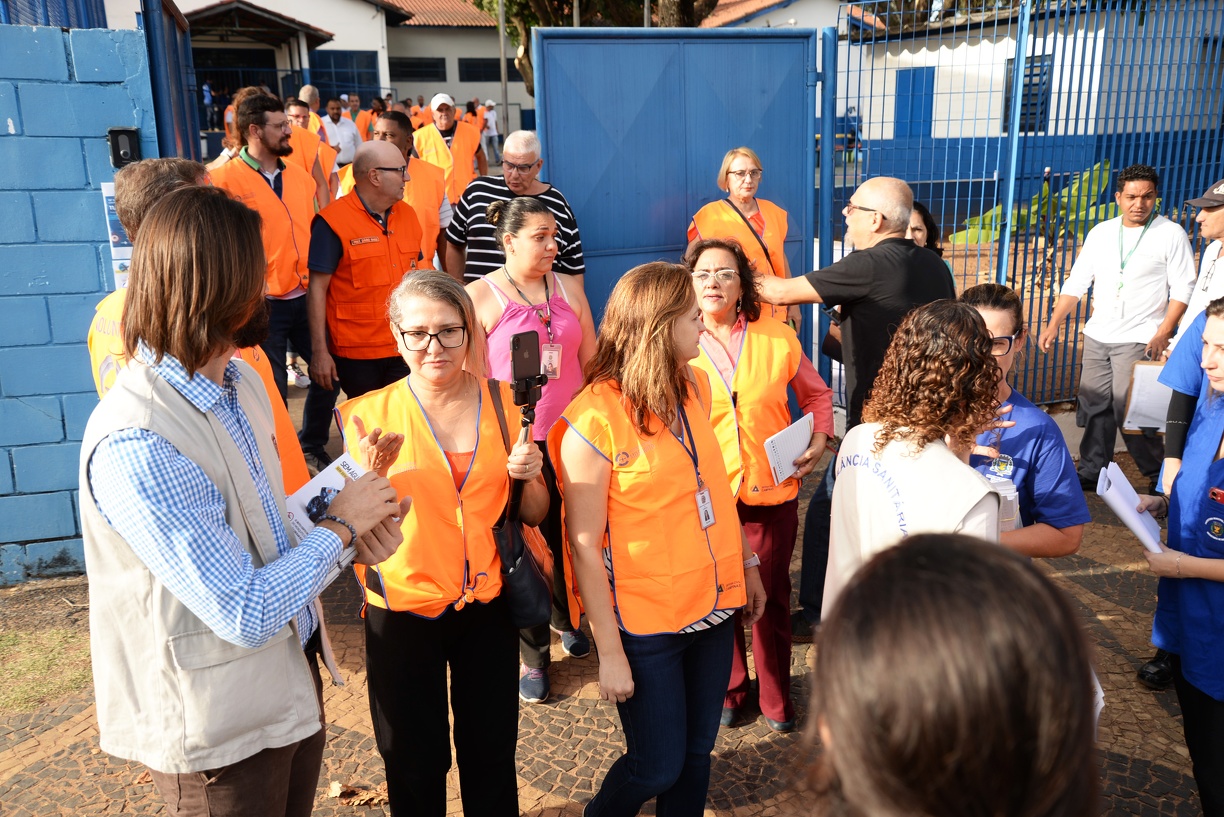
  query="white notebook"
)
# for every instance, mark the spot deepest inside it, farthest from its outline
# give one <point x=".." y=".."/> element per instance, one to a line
<point x="782" y="448"/>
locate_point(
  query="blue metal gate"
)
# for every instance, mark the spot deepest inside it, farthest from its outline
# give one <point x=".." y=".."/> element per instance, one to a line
<point x="635" y="122"/>
<point x="1011" y="123"/>
<point x="173" y="79"/>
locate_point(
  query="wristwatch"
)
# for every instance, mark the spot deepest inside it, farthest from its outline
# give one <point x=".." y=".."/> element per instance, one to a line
<point x="754" y="561"/>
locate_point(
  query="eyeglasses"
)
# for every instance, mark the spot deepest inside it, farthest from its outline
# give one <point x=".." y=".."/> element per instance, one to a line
<point x="1002" y="345"/>
<point x="722" y="276"/>
<point x="508" y="166"/>
<point x="399" y="171"/>
<point x="451" y="337"/>
<point x="851" y="206"/>
<point x="745" y="174"/>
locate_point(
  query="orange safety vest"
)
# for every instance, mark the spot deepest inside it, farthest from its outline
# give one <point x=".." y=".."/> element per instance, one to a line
<point x="327" y="159"/>
<point x="107" y="357"/>
<point x="667" y="572"/>
<point x="364" y="123"/>
<point x="753" y="407"/>
<point x="448" y="557"/>
<point x="346" y="114"/>
<point x="720" y="219"/>
<point x="315" y="122"/>
<point x="480" y="118"/>
<point x="373" y="264"/>
<point x="305" y="149"/>
<point x="423" y="193"/>
<point x="426" y="114"/>
<point x="455" y="161"/>
<point x="285" y="220"/>
<point x="470" y="118"/>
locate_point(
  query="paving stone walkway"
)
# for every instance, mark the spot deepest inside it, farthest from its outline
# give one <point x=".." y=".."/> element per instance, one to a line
<point x="50" y="763"/>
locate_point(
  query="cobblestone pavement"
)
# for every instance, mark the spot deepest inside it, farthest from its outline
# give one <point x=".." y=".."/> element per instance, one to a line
<point x="50" y="763"/>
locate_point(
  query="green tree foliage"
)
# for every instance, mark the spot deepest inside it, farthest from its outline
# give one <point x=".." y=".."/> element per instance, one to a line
<point x="524" y="15"/>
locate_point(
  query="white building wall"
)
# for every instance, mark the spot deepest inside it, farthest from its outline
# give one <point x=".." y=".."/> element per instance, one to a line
<point x="453" y="43"/>
<point x="799" y="14"/>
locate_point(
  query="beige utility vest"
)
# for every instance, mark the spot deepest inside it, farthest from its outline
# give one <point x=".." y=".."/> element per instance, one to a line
<point x="170" y="693"/>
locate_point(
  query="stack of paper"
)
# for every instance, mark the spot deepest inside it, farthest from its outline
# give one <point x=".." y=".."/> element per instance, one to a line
<point x="1113" y="487"/>
<point x="784" y="447"/>
<point x="1009" y="504"/>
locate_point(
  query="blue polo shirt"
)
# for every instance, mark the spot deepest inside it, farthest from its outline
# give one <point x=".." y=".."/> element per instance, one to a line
<point x="1183" y="371"/>
<point x="1034" y="456"/>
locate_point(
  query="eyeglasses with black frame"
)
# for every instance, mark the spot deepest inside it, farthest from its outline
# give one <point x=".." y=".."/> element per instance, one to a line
<point x="1003" y="344"/>
<point x="401" y="170"/>
<point x="416" y="340"/>
<point x="508" y="166"/>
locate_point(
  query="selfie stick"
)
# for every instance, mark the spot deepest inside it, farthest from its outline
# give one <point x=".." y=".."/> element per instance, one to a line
<point x="526" y="395"/>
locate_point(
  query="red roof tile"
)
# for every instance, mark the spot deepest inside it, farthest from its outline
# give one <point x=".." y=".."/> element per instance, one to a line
<point x="456" y="13"/>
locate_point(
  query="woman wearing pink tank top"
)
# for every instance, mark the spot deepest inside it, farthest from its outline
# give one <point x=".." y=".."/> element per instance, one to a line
<point x="527" y="295"/>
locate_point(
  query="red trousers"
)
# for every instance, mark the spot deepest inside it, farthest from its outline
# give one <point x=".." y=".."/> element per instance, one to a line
<point x="771" y="531"/>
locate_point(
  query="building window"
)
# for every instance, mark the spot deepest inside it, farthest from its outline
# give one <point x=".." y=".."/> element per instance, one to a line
<point x="484" y="69"/>
<point x="343" y="72"/>
<point x="418" y="69"/>
<point x="1034" y="96"/>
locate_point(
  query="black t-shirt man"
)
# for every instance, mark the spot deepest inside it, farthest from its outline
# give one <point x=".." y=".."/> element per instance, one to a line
<point x="876" y="287"/>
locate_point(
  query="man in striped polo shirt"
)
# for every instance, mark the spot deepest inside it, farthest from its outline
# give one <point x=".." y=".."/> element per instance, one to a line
<point x="469" y="238"/>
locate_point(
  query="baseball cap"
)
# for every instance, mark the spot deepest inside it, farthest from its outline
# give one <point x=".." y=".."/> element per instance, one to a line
<point x="489" y="103"/>
<point x="1214" y="196"/>
<point x="440" y="99"/>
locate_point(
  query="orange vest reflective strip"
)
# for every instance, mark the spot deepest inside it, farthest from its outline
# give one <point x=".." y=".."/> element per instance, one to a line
<point x="667" y="572"/>
<point x="371" y="266"/>
<point x="285" y="220"/>
<point x="448" y="557"/>
<point x="768" y="361"/>
<point x="719" y="219"/>
<point x="107" y="357"/>
<point x="455" y="161"/>
<point x="423" y="193"/>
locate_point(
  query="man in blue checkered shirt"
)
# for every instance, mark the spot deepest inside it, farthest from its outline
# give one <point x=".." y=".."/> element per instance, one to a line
<point x="203" y="633"/>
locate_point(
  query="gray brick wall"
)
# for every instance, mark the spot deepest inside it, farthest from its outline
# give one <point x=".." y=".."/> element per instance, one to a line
<point x="59" y="92"/>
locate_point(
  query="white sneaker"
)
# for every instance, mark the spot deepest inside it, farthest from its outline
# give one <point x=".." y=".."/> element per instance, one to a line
<point x="297" y="377"/>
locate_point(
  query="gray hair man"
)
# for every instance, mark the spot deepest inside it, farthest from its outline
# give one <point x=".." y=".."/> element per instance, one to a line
<point x="470" y="246"/>
<point x="874" y="287"/>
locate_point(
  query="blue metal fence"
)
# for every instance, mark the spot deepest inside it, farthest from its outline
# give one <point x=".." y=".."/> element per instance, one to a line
<point x="996" y="118"/>
<point x="173" y="78"/>
<point x="61" y="13"/>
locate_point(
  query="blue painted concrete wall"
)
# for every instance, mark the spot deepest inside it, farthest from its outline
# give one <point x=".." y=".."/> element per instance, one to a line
<point x="59" y="92"/>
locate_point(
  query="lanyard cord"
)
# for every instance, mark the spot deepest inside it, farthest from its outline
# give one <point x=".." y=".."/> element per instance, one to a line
<point x="543" y="312"/>
<point x="1126" y="258"/>
<point x="687" y="433"/>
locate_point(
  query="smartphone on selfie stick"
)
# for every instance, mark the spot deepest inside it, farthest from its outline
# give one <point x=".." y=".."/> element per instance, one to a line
<point x="527" y="383"/>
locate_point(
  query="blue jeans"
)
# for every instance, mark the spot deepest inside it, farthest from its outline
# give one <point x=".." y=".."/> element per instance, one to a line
<point x="287" y="323"/>
<point x="670" y="723"/>
<point x="815" y="559"/>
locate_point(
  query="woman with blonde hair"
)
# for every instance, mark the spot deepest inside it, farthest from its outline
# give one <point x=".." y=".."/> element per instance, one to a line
<point x="655" y="544"/>
<point x="434" y="610"/>
<point x="904" y="469"/>
<point x="758" y="225"/>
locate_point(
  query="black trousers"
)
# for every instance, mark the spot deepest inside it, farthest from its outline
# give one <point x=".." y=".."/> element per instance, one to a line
<point x="534" y="642"/>
<point x="1203" y="724"/>
<point x="406" y="661"/>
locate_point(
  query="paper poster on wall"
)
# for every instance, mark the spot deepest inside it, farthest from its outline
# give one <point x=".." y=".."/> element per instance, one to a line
<point x="121" y="248"/>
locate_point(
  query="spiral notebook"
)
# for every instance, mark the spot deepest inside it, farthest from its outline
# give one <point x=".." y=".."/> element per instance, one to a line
<point x="782" y="448"/>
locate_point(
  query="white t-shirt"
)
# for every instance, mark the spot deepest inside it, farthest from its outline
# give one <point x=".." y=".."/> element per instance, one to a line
<point x="878" y="500"/>
<point x="1127" y="307"/>
<point x="1210" y="285"/>
<point x="491" y="122"/>
<point x="343" y="136"/>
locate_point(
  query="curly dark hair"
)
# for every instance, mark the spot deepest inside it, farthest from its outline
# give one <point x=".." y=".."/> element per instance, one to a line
<point x="750" y="304"/>
<point x="1137" y="173"/>
<point x="938" y="379"/>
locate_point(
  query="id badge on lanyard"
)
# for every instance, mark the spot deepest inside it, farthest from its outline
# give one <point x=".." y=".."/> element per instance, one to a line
<point x="705" y="504"/>
<point x="705" y="507"/>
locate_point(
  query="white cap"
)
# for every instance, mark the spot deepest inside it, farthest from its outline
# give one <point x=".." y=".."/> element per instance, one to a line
<point x="489" y="103"/>
<point x="440" y="99"/>
<point x="344" y="97"/>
